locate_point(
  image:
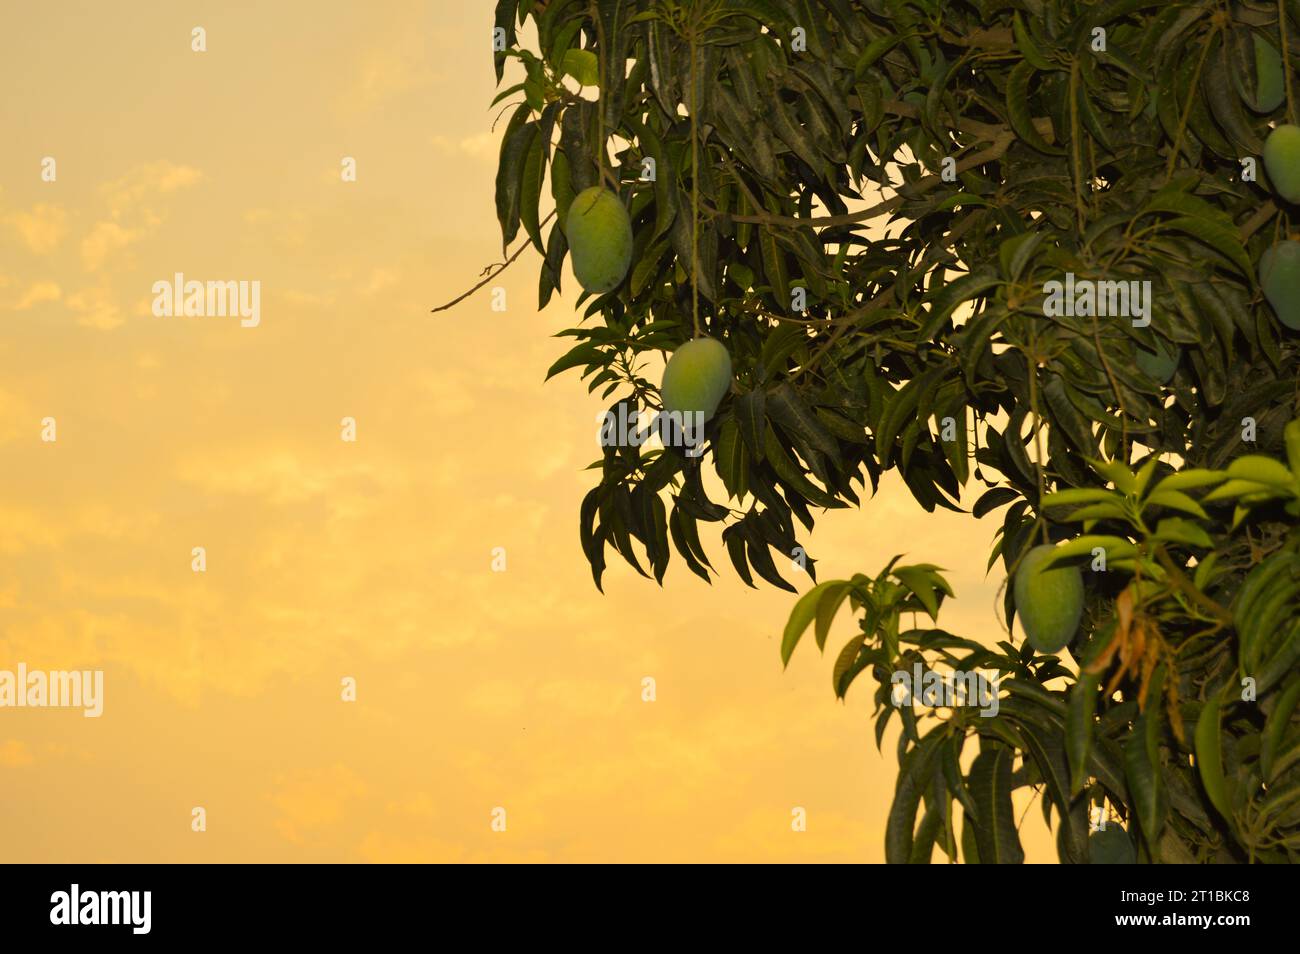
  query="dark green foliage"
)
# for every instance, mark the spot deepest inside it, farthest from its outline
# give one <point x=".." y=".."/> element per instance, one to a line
<point x="1102" y="140"/>
<point x="1111" y="846"/>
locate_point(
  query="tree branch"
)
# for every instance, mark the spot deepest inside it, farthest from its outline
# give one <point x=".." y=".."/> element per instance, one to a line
<point x="1188" y="588"/>
<point x="995" y="151"/>
<point x="1252" y="224"/>
<point x="493" y="274"/>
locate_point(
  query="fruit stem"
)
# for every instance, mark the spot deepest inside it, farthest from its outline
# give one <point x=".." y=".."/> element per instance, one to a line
<point x="600" y="89"/>
<point x="1114" y="385"/>
<point x="1032" y="361"/>
<point x="1286" y="62"/>
<point x="1187" y="106"/>
<point x="695" y="185"/>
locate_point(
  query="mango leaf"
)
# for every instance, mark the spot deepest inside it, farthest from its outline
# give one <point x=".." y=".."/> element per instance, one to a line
<point x="1079" y="495"/>
<point x="1118" y="474"/>
<point x="805" y="610"/>
<point x="993" y="498"/>
<point x="827" y="606"/>
<point x="847" y="666"/>
<point x="1178" y="530"/>
<point x="914" y="776"/>
<point x="510" y="175"/>
<point x="1015" y="252"/>
<point x="583" y="66"/>
<point x="1262" y="470"/>
<point x="530" y="191"/>
<point x="730" y="460"/>
<point x="919" y="582"/>
<point x="750" y="412"/>
<point x="1142" y="767"/>
<point x="950" y="296"/>
<point x="1079" y="728"/>
<point x="1027" y="47"/>
<point x="1279" y="720"/>
<point x="1239" y="488"/>
<point x="1189" y="480"/>
<point x="561" y="186"/>
<point x="1225" y="241"/>
<point x="1115" y="547"/>
<point x="1209" y="755"/>
<point x="990" y="786"/>
<point x="1017" y="103"/>
<point x="791" y="474"/>
<point x="1175" y="500"/>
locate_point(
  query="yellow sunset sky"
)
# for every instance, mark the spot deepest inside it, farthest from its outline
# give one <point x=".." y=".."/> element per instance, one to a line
<point x="372" y="560"/>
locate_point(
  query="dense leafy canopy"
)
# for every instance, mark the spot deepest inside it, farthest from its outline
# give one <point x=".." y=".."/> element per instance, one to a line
<point x="1006" y="145"/>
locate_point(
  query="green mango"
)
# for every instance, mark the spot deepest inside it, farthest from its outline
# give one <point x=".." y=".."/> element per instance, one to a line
<point x="696" y="378"/>
<point x="1282" y="161"/>
<point x="1279" y="276"/>
<point x="600" y="239"/>
<point x="1048" y="600"/>
<point x="1159" y="362"/>
<point x="1111" y="846"/>
<point x="1269" y="88"/>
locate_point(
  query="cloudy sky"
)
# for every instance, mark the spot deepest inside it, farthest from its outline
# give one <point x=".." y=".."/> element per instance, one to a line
<point x="369" y="560"/>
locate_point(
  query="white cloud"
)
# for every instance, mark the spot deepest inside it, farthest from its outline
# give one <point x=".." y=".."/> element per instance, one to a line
<point x="484" y="146"/>
<point x="153" y="178"/>
<point x="37" y="293"/>
<point x="15" y="754"/>
<point x="104" y="239"/>
<point x="96" y="309"/>
<point x="42" y="228"/>
<point x="380" y="278"/>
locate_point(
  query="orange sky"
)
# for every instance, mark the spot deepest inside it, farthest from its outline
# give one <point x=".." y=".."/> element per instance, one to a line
<point x="326" y="559"/>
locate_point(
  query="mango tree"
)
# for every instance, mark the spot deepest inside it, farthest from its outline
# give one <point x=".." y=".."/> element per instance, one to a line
<point x="1034" y="255"/>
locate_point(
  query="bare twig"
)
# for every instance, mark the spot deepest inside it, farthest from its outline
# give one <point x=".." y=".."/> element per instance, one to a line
<point x="1114" y="385"/>
<point x="492" y="274"/>
<point x="989" y="131"/>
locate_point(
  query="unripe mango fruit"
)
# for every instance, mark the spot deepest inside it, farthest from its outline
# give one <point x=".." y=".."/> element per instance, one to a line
<point x="1111" y="846"/>
<point x="1282" y="161"/>
<point x="600" y="239"/>
<point x="1049" y="600"/>
<point x="697" y="376"/>
<point x="1279" y="276"/>
<point x="1269" y="90"/>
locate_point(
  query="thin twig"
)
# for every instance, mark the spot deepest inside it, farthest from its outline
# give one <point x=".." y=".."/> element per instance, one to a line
<point x="600" y="89"/>
<point x="1187" y="106"/>
<point x="1038" y="430"/>
<point x="1076" y="156"/>
<point x="1114" y="385"/>
<point x="499" y="269"/>
<point x="1286" y="61"/>
<point x="985" y="131"/>
<point x="695" y="185"/>
<point x="1028" y="805"/>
